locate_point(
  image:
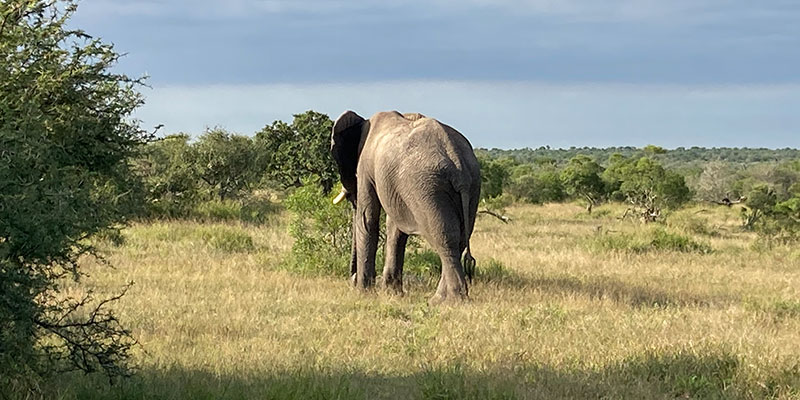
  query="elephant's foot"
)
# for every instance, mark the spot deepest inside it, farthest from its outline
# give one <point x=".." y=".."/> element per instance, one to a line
<point x="393" y="286"/>
<point x="440" y="298"/>
<point x="363" y="284"/>
<point x="449" y="293"/>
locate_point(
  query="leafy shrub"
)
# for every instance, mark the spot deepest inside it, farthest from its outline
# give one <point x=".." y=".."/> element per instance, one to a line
<point x="321" y="231"/>
<point x="422" y="263"/>
<point x="66" y="134"/>
<point x="226" y="163"/>
<point x="290" y="152"/>
<point x="646" y="185"/>
<point x="171" y="181"/>
<point x="111" y="235"/>
<point x="537" y="186"/>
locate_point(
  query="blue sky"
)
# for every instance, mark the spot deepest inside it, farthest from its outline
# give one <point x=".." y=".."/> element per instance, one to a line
<point x="507" y="73"/>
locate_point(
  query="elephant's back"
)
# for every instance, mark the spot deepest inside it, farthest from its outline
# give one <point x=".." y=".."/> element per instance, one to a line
<point x="426" y="151"/>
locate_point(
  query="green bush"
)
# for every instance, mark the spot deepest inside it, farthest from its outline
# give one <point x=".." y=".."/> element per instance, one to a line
<point x="422" y="263"/>
<point x="169" y="173"/>
<point x="321" y="231"/>
<point x="66" y="135"/>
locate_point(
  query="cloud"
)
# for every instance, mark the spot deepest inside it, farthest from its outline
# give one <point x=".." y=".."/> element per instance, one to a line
<point x="673" y="11"/>
<point x="511" y="114"/>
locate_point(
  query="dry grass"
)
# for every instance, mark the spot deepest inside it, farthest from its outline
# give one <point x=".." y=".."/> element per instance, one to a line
<point x="563" y="318"/>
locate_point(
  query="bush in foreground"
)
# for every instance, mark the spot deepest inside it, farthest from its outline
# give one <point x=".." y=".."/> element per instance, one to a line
<point x="321" y="231"/>
<point x="65" y="135"/>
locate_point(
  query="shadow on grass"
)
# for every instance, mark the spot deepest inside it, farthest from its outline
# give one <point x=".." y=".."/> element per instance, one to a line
<point x="606" y="288"/>
<point x="713" y="375"/>
<point x="494" y="273"/>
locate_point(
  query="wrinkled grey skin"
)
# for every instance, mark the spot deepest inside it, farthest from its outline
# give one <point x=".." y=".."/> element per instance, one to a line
<point x="426" y="178"/>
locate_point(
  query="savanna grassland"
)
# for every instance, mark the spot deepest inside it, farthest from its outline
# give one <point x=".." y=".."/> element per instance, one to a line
<point x="566" y="305"/>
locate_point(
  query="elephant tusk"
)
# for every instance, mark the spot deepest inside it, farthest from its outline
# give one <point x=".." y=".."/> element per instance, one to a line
<point x="340" y="197"/>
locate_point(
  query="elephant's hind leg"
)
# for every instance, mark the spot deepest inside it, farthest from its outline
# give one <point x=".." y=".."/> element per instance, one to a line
<point x="395" y="255"/>
<point x="453" y="283"/>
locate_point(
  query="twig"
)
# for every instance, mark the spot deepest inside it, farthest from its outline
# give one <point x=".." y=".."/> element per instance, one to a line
<point x="503" y="218"/>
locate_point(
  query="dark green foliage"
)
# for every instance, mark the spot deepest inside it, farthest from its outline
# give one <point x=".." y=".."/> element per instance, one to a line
<point x="225" y="162"/>
<point x="772" y="218"/>
<point x="760" y="201"/>
<point x="423" y="263"/>
<point x="536" y="183"/>
<point x="494" y="175"/>
<point x="289" y="153"/>
<point x="670" y="158"/>
<point x="646" y="185"/>
<point x="169" y="172"/>
<point x="65" y="135"/>
<point x="581" y="178"/>
<point x="321" y="231"/>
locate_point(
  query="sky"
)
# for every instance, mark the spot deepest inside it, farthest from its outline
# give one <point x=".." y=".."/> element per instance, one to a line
<point x="506" y="73"/>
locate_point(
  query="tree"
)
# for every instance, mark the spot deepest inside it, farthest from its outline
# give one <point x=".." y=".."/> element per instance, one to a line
<point x="289" y="153"/>
<point x="646" y="185"/>
<point x="716" y="182"/>
<point x="652" y="149"/>
<point x="170" y="175"/>
<point x="536" y="183"/>
<point x="225" y="162"/>
<point x="581" y="178"/>
<point x="65" y="136"/>
<point x="761" y="201"/>
<point x="494" y="175"/>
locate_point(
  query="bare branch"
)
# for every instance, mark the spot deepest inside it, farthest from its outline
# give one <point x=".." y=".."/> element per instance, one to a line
<point x="503" y="218"/>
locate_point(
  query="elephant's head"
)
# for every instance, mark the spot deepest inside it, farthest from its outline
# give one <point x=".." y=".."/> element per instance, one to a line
<point x="345" y="148"/>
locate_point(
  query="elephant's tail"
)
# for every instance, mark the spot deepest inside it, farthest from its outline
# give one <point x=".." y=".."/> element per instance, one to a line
<point x="467" y="260"/>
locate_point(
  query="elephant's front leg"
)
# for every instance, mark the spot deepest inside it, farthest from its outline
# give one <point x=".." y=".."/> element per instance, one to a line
<point x="366" y="235"/>
<point x="395" y="254"/>
<point x="353" y="252"/>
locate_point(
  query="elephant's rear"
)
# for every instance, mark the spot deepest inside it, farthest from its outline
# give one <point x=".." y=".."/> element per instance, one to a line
<point x="450" y="154"/>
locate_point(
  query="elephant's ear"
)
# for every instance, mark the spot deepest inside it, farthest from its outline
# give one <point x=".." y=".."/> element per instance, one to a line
<point x="346" y="121"/>
<point x="345" y="141"/>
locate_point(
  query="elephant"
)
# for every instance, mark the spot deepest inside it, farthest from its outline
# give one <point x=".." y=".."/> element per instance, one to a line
<point x="425" y="176"/>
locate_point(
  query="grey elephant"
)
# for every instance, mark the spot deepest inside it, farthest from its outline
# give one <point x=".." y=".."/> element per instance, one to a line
<point x="426" y="178"/>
